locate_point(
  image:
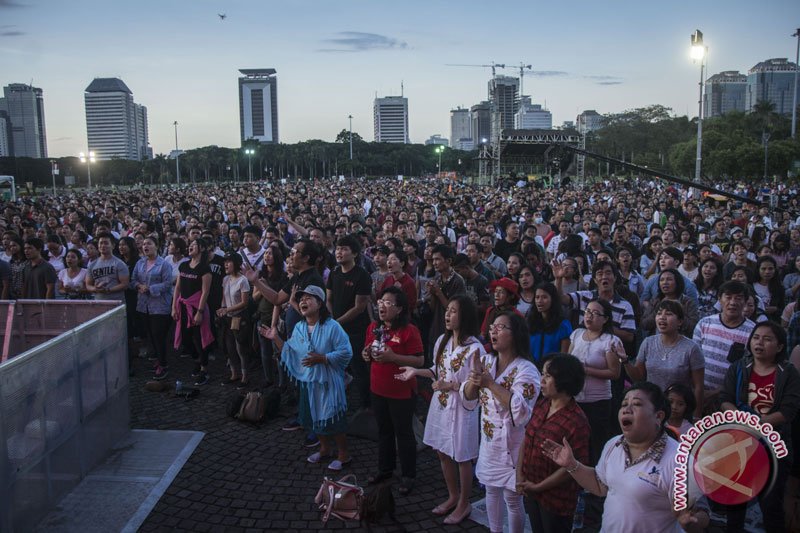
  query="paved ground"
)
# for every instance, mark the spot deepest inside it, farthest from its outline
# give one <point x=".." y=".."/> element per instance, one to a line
<point x="245" y="478"/>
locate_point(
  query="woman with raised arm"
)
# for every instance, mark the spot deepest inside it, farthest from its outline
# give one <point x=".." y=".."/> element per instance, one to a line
<point x="505" y="384"/>
<point x="450" y="429"/>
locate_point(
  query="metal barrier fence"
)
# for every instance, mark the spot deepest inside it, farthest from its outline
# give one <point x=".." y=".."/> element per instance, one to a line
<point x="63" y="402"/>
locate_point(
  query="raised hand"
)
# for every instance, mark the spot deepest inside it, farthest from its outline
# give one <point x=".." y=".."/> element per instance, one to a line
<point x="407" y="373"/>
<point x="250" y="273"/>
<point x="560" y="454"/>
<point x="558" y="269"/>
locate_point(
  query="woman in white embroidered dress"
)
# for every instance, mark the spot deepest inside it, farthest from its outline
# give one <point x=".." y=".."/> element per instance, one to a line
<point x="506" y="386"/>
<point x="450" y="429"/>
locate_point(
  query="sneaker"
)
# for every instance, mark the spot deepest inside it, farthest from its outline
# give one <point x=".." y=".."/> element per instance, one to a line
<point x="196" y="372"/>
<point x="311" y="440"/>
<point x="202" y="379"/>
<point x="292" y="425"/>
<point x="161" y="373"/>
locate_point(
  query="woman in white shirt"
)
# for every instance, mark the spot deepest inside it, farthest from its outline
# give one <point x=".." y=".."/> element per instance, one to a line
<point x="72" y="279"/>
<point x="600" y="351"/>
<point x="506" y="386"/>
<point x="234" y="322"/>
<point x="450" y="429"/>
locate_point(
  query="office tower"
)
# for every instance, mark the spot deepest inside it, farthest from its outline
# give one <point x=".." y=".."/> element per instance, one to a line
<point x="588" y="121"/>
<point x="391" y="119"/>
<point x="532" y="116"/>
<point x="725" y="92"/>
<point x="5" y="147"/>
<point x="461" y="129"/>
<point x="772" y="81"/>
<point x="23" y="108"/>
<point x="481" y="118"/>
<point x="436" y="140"/>
<point x="504" y="95"/>
<point x="258" y="105"/>
<point x="116" y="127"/>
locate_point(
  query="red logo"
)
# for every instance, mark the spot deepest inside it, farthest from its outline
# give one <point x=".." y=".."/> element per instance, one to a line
<point x="731" y="466"/>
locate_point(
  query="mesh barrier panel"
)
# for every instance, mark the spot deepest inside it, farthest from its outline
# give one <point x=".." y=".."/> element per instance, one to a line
<point x="63" y="402"/>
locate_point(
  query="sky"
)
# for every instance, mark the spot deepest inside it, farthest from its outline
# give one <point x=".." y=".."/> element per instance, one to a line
<point x="332" y="57"/>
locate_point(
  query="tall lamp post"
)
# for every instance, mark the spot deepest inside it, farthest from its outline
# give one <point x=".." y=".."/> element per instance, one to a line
<point x="249" y="152"/>
<point x="351" y="144"/>
<point x="796" y="70"/>
<point x="699" y="54"/>
<point x="177" y="154"/>
<point x="439" y="150"/>
<point x="88" y="159"/>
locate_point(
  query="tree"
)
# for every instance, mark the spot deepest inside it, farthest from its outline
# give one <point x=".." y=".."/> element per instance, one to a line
<point x="344" y="137"/>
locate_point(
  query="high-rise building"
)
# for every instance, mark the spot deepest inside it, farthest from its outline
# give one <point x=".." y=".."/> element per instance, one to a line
<point x="481" y="118"/>
<point x="23" y="107"/>
<point x="772" y="81"/>
<point x="5" y="148"/>
<point x="504" y="96"/>
<point x="116" y="127"/>
<point x="461" y="129"/>
<point x="725" y="92"/>
<point x="391" y="119"/>
<point x="258" y="105"/>
<point x="588" y="121"/>
<point x="532" y="116"/>
<point x="436" y="140"/>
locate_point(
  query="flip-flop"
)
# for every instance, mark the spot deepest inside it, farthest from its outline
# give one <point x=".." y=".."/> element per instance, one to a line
<point x="316" y="457"/>
<point x="337" y="465"/>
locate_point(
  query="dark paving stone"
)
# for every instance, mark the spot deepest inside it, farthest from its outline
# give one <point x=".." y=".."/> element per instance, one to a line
<point x="255" y="478"/>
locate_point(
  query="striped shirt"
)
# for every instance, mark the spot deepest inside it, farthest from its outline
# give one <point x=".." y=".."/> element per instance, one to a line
<point x="622" y="311"/>
<point x="720" y="344"/>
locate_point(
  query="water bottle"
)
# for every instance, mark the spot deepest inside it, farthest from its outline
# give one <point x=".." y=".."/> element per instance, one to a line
<point x="577" y="520"/>
<point x="178" y="386"/>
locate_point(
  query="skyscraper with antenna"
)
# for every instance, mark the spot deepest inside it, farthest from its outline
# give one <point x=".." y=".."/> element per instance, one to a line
<point x="390" y="115"/>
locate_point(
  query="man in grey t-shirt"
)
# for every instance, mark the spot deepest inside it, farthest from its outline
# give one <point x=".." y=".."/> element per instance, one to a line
<point x="107" y="276"/>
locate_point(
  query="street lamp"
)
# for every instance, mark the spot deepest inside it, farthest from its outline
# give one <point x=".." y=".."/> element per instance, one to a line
<point x="177" y="154"/>
<point x="249" y="152"/>
<point x="439" y="150"/>
<point x="88" y="160"/>
<point x="699" y="52"/>
<point x="351" y="145"/>
<point x="796" y="70"/>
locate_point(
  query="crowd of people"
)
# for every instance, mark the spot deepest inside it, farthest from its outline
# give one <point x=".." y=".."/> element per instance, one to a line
<point x="562" y="339"/>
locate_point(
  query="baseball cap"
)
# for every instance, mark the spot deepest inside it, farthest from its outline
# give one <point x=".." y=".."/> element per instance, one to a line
<point x="313" y="290"/>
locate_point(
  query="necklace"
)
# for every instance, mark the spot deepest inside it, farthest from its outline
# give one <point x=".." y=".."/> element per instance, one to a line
<point x="664" y="350"/>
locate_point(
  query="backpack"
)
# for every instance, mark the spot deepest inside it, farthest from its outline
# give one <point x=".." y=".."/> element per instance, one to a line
<point x="377" y="503"/>
<point x="234" y="404"/>
<point x="253" y="408"/>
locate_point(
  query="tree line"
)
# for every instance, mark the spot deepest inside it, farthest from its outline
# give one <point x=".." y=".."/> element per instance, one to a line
<point x="734" y="146"/>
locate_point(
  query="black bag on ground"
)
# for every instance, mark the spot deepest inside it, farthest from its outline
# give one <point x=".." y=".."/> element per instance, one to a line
<point x="233" y="404"/>
<point x="377" y="503"/>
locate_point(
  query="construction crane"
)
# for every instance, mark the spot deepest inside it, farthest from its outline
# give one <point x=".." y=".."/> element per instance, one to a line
<point x="522" y="67"/>
<point x="493" y="66"/>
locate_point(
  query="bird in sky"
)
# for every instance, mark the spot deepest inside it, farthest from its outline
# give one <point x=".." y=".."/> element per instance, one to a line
<point x="222" y="16"/>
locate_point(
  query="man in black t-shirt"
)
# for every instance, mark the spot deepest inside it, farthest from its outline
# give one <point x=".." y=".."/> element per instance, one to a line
<point x="348" y="293"/>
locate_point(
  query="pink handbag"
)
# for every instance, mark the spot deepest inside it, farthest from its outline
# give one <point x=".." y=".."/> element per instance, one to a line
<point x="340" y="498"/>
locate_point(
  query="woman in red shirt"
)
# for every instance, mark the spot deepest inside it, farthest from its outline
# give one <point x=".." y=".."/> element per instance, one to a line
<point x="392" y="342"/>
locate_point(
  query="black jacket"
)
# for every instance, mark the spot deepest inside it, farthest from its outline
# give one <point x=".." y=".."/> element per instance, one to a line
<point x="786" y="399"/>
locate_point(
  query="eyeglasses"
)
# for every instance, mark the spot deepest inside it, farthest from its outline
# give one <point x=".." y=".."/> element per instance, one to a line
<point x="386" y="303"/>
<point x="499" y="327"/>
<point x="593" y="314"/>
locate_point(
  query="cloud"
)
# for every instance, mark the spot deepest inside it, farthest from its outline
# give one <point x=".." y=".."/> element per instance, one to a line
<point x="547" y="73"/>
<point x="356" y="41"/>
<point x="10" y="4"/>
<point x="604" y="79"/>
<point x="11" y="33"/>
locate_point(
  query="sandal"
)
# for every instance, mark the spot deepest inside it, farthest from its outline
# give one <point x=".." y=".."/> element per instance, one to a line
<point x="378" y="478"/>
<point x="452" y="520"/>
<point x="337" y="465"/>
<point x="442" y="510"/>
<point x="406" y="486"/>
<point x="316" y="457"/>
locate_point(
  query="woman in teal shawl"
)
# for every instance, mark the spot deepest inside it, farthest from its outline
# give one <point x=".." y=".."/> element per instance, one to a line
<point x="315" y="356"/>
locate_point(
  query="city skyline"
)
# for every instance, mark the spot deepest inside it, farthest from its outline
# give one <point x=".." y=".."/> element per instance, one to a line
<point x="334" y="59"/>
